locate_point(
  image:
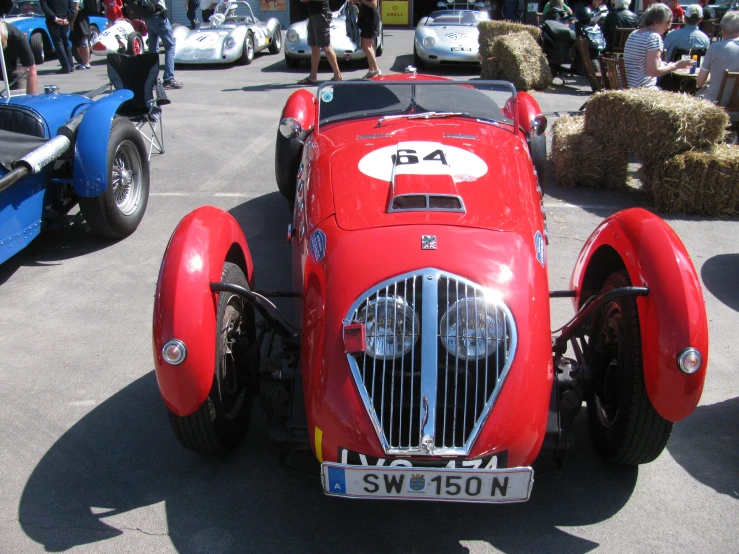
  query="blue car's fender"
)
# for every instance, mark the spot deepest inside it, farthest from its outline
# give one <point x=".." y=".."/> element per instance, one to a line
<point x="91" y="146"/>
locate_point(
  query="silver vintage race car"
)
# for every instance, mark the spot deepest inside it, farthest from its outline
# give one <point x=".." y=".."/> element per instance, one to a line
<point x="233" y="34"/>
<point x="448" y="36"/>
<point x="296" y="40"/>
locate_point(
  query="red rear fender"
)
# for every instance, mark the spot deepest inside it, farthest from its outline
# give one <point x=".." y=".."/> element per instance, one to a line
<point x="301" y="106"/>
<point x="184" y="306"/>
<point x="672" y="316"/>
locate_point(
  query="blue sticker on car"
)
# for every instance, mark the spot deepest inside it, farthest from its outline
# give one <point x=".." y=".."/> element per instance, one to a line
<point x="327" y="94"/>
<point x="539" y="244"/>
<point x="337" y="480"/>
<point x="318" y="245"/>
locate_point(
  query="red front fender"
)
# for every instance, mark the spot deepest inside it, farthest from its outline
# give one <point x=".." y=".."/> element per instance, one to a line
<point x="184" y="306"/>
<point x="301" y="106"/>
<point x="672" y="316"/>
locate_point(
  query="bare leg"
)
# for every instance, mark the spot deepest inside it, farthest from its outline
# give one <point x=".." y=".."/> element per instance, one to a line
<point x="368" y="46"/>
<point x="84" y="52"/>
<point x="331" y="57"/>
<point x="315" y="59"/>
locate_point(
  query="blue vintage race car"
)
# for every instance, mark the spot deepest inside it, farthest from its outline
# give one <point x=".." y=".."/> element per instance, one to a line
<point x="27" y="16"/>
<point x="52" y="157"/>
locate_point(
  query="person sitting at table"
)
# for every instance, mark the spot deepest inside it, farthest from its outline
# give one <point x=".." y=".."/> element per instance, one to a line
<point x="599" y="9"/>
<point x="721" y="56"/>
<point x="708" y="12"/>
<point x="690" y="37"/>
<point x="620" y="16"/>
<point x="556" y="10"/>
<point x="678" y="14"/>
<point x="643" y="49"/>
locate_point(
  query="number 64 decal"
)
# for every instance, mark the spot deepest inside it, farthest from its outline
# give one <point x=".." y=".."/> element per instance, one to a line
<point x="422" y="158"/>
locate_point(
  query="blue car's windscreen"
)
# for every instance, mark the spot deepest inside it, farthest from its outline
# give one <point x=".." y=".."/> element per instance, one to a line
<point x="353" y="100"/>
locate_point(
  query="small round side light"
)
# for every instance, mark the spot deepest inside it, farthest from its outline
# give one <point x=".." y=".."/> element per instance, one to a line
<point x="174" y="352"/>
<point x="689" y="361"/>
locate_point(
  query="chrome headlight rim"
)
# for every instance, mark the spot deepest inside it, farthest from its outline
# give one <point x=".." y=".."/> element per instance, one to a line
<point x="429" y="41"/>
<point x="407" y="310"/>
<point x="229" y="43"/>
<point x="482" y="307"/>
<point x="292" y="36"/>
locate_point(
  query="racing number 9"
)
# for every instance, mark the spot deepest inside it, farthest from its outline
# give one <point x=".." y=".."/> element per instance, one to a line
<point x="408" y="157"/>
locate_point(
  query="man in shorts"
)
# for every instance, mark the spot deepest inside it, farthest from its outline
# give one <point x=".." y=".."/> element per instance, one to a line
<point x="80" y="35"/>
<point x="319" y="37"/>
<point x="17" y="52"/>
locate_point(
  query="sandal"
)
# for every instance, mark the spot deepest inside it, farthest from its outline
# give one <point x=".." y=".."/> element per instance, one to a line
<point x="334" y="78"/>
<point x="307" y="81"/>
<point x="371" y="74"/>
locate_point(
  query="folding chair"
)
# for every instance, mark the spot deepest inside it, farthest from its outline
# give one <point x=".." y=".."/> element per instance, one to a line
<point x="140" y="74"/>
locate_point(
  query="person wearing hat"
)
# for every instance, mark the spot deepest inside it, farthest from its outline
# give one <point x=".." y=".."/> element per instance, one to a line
<point x="690" y="37"/>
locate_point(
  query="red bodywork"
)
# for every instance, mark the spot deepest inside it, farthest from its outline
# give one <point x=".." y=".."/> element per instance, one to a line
<point x="184" y="306"/>
<point x="673" y="316"/>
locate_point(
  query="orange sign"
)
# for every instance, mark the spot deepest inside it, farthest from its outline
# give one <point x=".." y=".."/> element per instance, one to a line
<point x="394" y="12"/>
<point x="272" y="5"/>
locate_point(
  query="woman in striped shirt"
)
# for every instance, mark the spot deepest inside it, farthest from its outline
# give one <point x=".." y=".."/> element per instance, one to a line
<point x="644" y="48"/>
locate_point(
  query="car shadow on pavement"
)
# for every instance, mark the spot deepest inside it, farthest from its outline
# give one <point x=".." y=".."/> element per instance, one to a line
<point x="710" y="456"/>
<point x="719" y="276"/>
<point x="123" y="456"/>
<point x="54" y="246"/>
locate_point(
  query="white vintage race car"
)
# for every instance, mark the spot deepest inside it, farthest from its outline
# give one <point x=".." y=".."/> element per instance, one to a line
<point x="123" y="36"/>
<point x="296" y="41"/>
<point x="233" y="34"/>
<point x="448" y="36"/>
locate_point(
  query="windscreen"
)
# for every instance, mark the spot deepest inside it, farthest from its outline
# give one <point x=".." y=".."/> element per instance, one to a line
<point x="456" y="17"/>
<point x="26" y="8"/>
<point x="413" y="99"/>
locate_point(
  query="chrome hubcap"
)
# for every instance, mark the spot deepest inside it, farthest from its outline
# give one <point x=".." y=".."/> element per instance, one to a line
<point x="126" y="178"/>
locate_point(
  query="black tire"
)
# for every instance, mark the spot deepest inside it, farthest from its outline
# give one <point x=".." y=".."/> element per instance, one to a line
<point x="135" y="44"/>
<point x="538" y="148"/>
<point x="417" y="61"/>
<point x="221" y="421"/>
<point x="94" y="32"/>
<point x="276" y="45"/>
<point x="37" y="47"/>
<point x="287" y="162"/>
<point x="247" y="54"/>
<point x="380" y="44"/>
<point x="117" y="212"/>
<point x="292" y="63"/>
<point x="624" y="426"/>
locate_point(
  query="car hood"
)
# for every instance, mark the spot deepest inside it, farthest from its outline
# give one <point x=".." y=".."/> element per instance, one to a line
<point x="453" y="34"/>
<point x="466" y="177"/>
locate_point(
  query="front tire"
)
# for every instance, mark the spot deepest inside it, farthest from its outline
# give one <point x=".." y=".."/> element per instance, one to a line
<point x="117" y="212"/>
<point x="417" y="61"/>
<point x="287" y="162"/>
<point x="276" y="45"/>
<point x="135" y="44"/>
<point x="221" y="421"/>
<point x="624" y="426"/>
<point x="247" y="54"/>
<point x="538" y="147"/>
<point x="37" y="47"/>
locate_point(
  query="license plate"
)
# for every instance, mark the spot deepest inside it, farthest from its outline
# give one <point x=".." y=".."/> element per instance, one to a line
<point x="461" y="49"/>
<point x="492" y="486"/>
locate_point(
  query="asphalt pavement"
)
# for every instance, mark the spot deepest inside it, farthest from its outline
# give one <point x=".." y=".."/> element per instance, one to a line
<point x="88" y="462"/>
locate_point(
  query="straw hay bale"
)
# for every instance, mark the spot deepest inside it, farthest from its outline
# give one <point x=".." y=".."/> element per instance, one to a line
<point x="654" y="124"/>
<point x="582" y="159"/>
<point x="519" y="59"/>
<point x="490" y="30"/>
<point x="566" y="133"/>
<point x="698" y="183"/>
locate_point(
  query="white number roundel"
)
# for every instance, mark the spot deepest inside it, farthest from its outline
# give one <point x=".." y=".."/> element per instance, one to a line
<point x="423" y="158"/>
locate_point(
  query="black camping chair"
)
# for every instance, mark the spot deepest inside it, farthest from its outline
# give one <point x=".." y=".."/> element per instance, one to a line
<point x="140" y="74"/>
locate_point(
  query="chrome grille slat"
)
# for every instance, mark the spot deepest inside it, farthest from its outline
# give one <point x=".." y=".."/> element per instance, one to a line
<point x="409" y="385"/>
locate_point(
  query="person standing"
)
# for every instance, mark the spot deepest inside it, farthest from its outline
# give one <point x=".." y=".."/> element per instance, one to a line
<point x="319" y="38"/>
<point x="80" y="34"/>
<point x="58" y="15"/>
<point x="191" y="6"/>
<point x="16" y="49"/>
<point x="369" y="30"/>
<point x="160" y="29"/>
<point x="113" y="10"/>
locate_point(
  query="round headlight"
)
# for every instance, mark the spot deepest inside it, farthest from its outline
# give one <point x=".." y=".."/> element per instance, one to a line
<point x="174" y="352"/>
<point x="471" y="329"/>
<point x="230" y="43"/>
<point x="689" y="361"/>
<point x="292" y="36"/>
<point x="391" y="326"/>
<point x="428" y="42"/>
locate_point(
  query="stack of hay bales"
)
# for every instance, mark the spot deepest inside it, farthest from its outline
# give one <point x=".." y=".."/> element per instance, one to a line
<point x="676" y="136"/>
<point x="511" y="51"/>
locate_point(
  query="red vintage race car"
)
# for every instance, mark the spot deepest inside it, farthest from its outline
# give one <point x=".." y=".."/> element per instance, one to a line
<point x="424" y="366"/>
